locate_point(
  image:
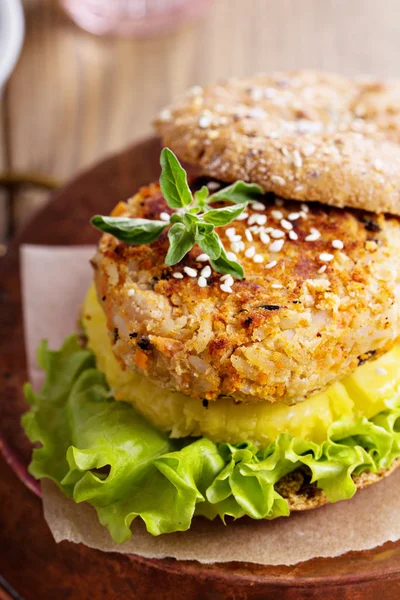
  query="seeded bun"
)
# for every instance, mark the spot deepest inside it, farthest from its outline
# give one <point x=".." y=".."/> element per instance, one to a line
<point x="303" y="135"/>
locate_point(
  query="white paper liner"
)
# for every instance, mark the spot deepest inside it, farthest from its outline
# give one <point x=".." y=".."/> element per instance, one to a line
<point x="55" y="280"/>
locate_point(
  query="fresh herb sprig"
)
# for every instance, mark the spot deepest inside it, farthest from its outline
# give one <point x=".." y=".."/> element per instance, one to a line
<point x="193" y="220"/>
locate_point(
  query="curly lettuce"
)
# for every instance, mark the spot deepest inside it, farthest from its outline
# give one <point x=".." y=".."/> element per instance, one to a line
<point x="103" y="452"/>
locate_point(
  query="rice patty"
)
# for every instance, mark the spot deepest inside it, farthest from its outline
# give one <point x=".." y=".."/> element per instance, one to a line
<point x="304" y="317"/>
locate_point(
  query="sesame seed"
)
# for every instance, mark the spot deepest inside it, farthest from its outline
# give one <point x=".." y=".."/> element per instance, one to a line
<point x="206" y="272"/>
<point x="258" y="258"/>
<point x="131" y="292"/>
<point x="164" y="216"/>
<point x="277" y="234"/>
<point x="378" y="164"/>
<point x="305" y="208"/>
<point x="189" y="271"/>
<point x="322" y="269"/>
<point x="277" y="286"/>
<point x="261" y="220"/>
<point x="338" y="244"/>
<point x="242" y="217"/>
<point x="250" y="252"/>
<point x="286" y="225"/>
<point x="381" y="371"/>
<point x="230" y="231"/>
<point x="303" y="215"/>
<point x="297" y="160"/>
<point x="226" y="288"/>
<point x="258" y="206"/>
<point x="203" y="258"/>
<point x="177" y="275"/>
<point x="213" y="186"/>
<point x="276" y="246"/>
<point x="264" y="237"/>
<point x="285" y="151"/>
<point x="256" y="94"/>
<point x="314" y="235"/>
<point x="271" y="264"/>
<point x="308" y="149"/>
<point x="249" y="235"/>
<point x="202" y="282"/>
<point x="237" y="246"/>
<point x="277" y="214"/>
<point x="195" y="90"/>
<point x="204" y="122"/>
<point x="293" y="235"/>
<point x="236" y="238"/>
<point x="278" y="180"/>
<point x="326" y="257"/>
<point x="165" y="115"/>
<point x="227" y="278"/>
<point x="231" y="256"/>
<point x="252" y="219"/>
<point x="257" y="113"/>
<point x="293" y="216"/>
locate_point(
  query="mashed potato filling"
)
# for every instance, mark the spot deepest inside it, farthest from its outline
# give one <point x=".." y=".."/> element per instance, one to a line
<point x="366" y="392"/>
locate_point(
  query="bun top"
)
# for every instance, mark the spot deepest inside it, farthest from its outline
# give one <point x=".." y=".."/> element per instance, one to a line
<point x="302" y="135"/>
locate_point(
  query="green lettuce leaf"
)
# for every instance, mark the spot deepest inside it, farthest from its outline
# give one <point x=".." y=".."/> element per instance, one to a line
<point x="103" y="452"/>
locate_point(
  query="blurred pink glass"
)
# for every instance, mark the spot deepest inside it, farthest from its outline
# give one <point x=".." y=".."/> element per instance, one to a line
<point x="132" y="17"/>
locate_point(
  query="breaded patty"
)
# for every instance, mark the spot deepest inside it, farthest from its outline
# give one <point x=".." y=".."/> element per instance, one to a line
<point x="321" y="295"/>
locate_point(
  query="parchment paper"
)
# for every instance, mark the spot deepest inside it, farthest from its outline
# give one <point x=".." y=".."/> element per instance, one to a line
<point x="54" y="284"/>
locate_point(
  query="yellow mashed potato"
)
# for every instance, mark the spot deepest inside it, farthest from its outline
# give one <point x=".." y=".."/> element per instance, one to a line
<point x="366" y="392"/>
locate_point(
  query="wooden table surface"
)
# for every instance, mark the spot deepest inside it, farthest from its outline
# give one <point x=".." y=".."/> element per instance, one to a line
<point x="74" y="97"/>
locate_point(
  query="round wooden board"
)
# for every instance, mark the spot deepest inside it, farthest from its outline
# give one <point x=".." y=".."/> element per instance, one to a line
<point x="30" y="560"/>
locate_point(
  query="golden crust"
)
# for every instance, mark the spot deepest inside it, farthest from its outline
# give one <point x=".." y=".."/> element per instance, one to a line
<point x="284" y="333"/>
<point x="303" y="135"/>
<point x="302" y="495"/>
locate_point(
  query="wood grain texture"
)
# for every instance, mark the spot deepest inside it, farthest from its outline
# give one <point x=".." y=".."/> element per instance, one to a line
<point x="40" y="569"/>
<point x="74" y="97"/>
<point x="4" y="204"/>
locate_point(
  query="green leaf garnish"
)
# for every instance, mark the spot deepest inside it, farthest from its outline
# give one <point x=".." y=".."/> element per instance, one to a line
<point x="227" y="266"/>
<point x="239" y="192"/>
<point x="201" y="196"/>
<point x="193" y="223"/>
<point x="181" y="240"/>
<point x="210" y="243"/>
<point x="173" y="181"/>
<point x="223" y="216"/>
<point x="130" y="231"/>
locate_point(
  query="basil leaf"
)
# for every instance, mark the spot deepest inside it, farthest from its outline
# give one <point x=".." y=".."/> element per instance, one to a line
<point x="223" y="216"/>
<point x="173" y="181"/>
<point x="226" y="266"/>
<point x="239" y="192"/>
<point x="209" y="242"/>
<point x="181" y="241"/>
<point x="131" y="231"/>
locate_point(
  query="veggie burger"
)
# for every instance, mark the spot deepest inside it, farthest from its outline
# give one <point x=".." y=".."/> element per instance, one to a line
<point x="238" y="349"/>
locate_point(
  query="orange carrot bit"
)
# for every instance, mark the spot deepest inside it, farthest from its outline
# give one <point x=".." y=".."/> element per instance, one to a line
<point x="141" y="359"/>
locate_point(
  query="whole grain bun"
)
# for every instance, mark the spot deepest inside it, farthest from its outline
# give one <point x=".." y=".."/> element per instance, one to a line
<point x="302" y="495"/>
<point x="303" y="135"/>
